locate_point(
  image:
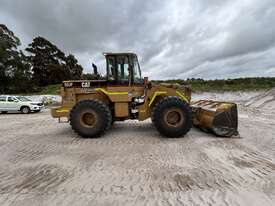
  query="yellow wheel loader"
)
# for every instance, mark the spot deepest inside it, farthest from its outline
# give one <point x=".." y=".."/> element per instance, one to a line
<point x="91" y="106"/>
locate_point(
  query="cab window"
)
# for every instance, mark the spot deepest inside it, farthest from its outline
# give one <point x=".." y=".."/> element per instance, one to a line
<point x="3" y="99"/>
<point x="118" y="68"/>
<point x="11" y="99"/>
<point x="111" y="68"/>
<point x="137" y="72"/>
<point x="123" y="69"/>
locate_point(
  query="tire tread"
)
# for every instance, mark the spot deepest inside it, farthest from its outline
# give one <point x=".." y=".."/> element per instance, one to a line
<point x="165" y="102"/>
<point x="97" y="105"/>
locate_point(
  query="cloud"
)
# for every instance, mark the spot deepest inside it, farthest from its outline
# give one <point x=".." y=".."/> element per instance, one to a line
<point x="174" y="39"/>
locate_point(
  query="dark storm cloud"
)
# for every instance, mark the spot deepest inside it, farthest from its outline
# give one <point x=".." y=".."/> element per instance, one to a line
<point x="175" y="39"/>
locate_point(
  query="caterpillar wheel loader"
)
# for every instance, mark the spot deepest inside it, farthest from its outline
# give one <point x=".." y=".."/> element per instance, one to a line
<point x="91" y="106"/>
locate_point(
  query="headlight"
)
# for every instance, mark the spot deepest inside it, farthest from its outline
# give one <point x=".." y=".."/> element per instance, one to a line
<point x="33" y="104"/>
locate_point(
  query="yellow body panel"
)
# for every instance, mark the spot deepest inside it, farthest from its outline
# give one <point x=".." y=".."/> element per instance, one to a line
<point x="60" y="112"/>
<point x="120" y="97"/>
<point x="121" y="109"/>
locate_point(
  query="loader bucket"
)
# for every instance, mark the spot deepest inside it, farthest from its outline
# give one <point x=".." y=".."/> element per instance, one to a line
<point x="220" y="118"/>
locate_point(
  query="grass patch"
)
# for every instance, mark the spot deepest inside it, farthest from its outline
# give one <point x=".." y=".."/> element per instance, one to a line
<point x="242" y="84"/>
<point x="50" y="89"/>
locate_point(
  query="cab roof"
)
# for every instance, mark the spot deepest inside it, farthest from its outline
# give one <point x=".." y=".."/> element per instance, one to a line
<point x="117" y="54"/>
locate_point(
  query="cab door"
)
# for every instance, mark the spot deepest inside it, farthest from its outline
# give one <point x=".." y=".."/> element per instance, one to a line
<point x="136" y="80"/>
<point x="3" y="103"/>
<point x="12" y="104"/>
<point x="118" y="75"/>
<point x="118" y="70"/>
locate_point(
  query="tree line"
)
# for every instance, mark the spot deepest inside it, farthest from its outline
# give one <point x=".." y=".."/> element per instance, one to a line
<point x="40" y="64"/>
<point x="239" y="84"/>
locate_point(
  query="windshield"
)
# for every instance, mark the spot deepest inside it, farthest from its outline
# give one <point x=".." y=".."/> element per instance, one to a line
<point x="122" y="68"/>
<point x="137" y="72"/>
<point x="23" y="99"/>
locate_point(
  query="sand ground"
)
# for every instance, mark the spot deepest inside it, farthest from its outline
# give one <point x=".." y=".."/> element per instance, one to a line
<point x="45" y="163"/>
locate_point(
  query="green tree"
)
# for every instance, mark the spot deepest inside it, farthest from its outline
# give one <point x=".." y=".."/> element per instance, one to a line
<point x="8" y="46"/>
<point x="14" y="66"/>
<point x="21" y="76"/>
<point x="74" y="68"/>
<point x="48" y="62"/>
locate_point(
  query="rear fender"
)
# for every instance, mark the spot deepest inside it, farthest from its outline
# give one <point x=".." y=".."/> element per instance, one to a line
<point x="154" y="97"/>
<point x="158" y="95"/>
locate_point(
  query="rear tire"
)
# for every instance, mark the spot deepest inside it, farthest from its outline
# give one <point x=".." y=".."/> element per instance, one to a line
<point x="172" y="117"/>
<point x="90" y="118"/>
<point x="25" y="110"/>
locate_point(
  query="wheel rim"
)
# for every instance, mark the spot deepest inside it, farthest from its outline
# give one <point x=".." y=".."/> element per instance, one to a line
<point x="88" y="119"/>
<point x="174" y="117"/>
<point x="25" y="110"/>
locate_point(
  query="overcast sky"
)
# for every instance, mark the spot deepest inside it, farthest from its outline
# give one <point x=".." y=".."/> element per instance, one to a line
<point x="173" y="38"/>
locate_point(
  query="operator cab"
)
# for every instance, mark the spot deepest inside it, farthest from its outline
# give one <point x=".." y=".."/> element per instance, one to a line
<point x="123" y="69"/>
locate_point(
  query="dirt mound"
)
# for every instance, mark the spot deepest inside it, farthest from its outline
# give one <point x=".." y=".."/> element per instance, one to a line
<point x="265" y="100"/>
<point x="240" y="97"/>
<point x="48" y="100"/>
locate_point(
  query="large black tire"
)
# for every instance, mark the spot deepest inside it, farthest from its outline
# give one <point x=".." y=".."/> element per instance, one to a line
<point x="172" y="117"/>
<point x="90" y="118"/>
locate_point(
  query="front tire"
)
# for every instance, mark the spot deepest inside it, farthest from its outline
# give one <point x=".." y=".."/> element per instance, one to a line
<point x="25" y="110"/>
<point x="90" y="118"/>
<point x="172" y="117"/>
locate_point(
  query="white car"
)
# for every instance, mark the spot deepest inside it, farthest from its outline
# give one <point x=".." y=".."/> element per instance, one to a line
<point x="10" y="103"/>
